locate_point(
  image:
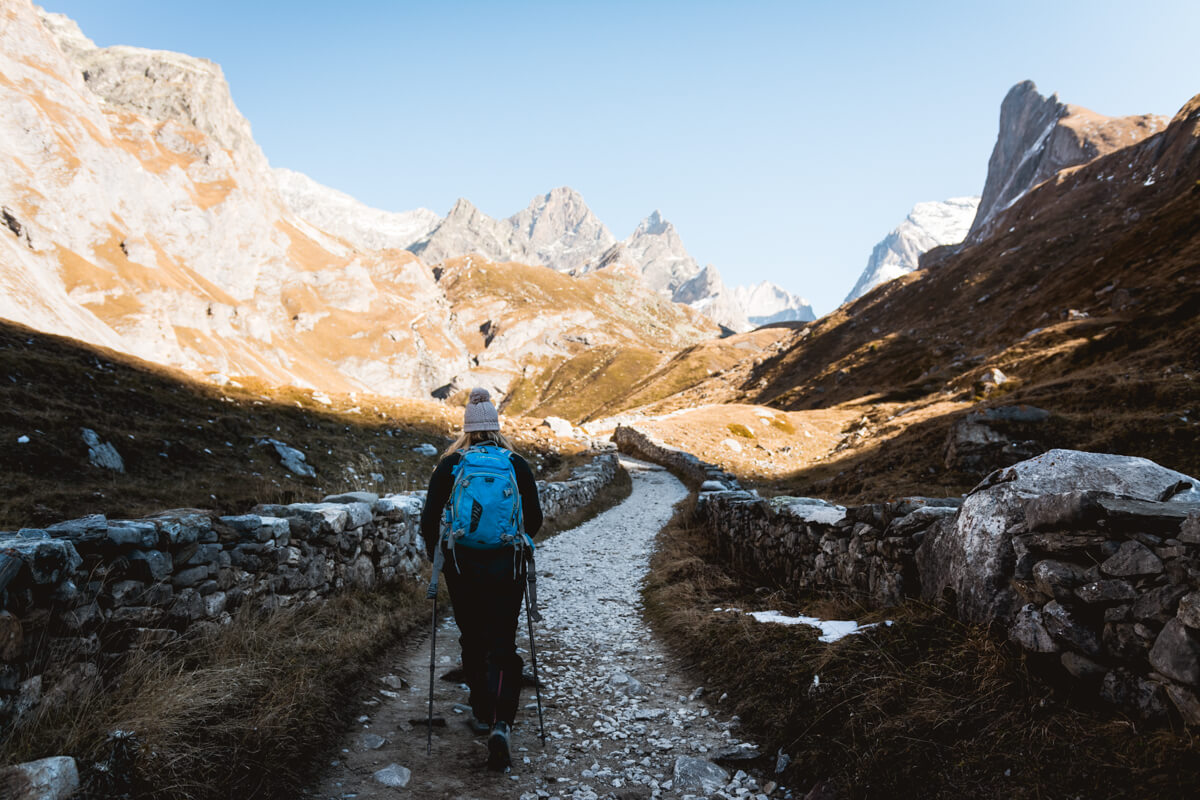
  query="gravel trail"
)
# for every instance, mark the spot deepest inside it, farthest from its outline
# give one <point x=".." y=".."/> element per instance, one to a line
<point x="619" y="722"/>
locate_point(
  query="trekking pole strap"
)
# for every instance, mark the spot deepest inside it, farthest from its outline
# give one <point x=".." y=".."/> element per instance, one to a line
<point x="531" y="584"/>
<point x="439" y="559"/>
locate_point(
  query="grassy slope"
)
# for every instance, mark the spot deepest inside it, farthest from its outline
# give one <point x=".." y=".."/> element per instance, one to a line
<point x="925" y="708"/>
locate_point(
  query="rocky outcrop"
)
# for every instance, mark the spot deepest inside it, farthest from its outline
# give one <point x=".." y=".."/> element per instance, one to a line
<point x="766" y="303"/>
<point x="927" y="226"/>
<point x="1039" y="136"/>
<point x="79" y="594"/>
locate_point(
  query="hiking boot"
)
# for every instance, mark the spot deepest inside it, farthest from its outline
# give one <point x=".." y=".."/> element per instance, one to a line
<point x="499" y="759"/>
<point x="478" y="726"/>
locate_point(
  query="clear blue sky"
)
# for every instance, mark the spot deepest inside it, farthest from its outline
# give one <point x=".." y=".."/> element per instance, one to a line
<point x="783" y="139"/>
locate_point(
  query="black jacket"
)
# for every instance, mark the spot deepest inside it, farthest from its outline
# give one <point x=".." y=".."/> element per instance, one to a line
<point x="442" y="482"/>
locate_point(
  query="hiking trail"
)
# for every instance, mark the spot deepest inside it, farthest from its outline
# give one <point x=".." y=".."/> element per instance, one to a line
<point x="620" y="723"/>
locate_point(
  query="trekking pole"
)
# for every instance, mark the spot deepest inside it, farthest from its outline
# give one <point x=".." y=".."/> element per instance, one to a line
<point x="432" y="592"/>
<point x="537" y="683"/>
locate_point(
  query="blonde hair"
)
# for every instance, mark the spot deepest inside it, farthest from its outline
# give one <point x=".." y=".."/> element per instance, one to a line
<point x="471" y="438"/>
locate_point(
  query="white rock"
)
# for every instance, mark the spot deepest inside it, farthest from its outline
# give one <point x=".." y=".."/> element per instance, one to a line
<point x="55" y="778"/>
<point x="393" y="775"/>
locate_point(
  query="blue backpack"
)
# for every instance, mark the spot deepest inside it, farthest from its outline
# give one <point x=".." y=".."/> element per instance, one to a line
<point x="484" y="512"/>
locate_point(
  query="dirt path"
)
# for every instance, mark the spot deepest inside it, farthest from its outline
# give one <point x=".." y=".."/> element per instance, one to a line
<point x="619" y="723"/>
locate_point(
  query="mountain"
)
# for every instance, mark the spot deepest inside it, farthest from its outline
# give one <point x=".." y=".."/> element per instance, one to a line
<point x="341" y="215"/>
<point x="767" y="303"/>
<point x="1040" y="136"/>
<point x="139" y="214"/>
<point x="927" y="226"/>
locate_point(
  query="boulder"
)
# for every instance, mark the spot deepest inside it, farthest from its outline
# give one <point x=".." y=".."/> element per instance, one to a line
<point x="102" y="454"/>
<point x="292" y="459"/>
<point x="1176" y="653"/>
<point x="394" y="776"/>
<point x="425" y="449"/>
<point x="559" y="427"/>
<point x="697" y="774"/>
<point x="133" y="533"/>
<point x="55" y="778"/>
<point x="971" y="554"/>
<point x="1132" y="560"/>
<point x="47" y="561"/>
<point x="1029" y="631"/>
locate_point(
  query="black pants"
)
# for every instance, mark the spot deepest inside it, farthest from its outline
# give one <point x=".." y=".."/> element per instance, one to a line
<point x="487" y="603"/>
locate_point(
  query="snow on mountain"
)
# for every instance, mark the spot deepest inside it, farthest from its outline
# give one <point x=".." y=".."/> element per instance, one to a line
<point x="340" y="214"/>
<point x="927" y="226"/>
<point x="765" y="303"/>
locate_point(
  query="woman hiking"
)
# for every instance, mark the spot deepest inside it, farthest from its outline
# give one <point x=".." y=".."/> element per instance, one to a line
<point x="481" y="508"/>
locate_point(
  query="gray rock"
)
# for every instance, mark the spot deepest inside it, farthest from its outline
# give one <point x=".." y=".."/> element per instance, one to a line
<point x="359" y="514"/>
<point x="1105" y="592"/>
<point x="133" y="533"/>
<point x="1029" y="631"/>
<point x="245" y="524"/>
<point x="372" y="741"/>
<point x="49" y="561"/>
<point x="102" y="455"/>
<point x="1158" y="605"/>
<point x="189" y="577"/>
<point x="698" y="773"/>
<point x="394" y="776"/>
<point x="1070" y="510"/>
<point x="125" y="593"/>
<point x="1186" y="702"/>
<point x="138" y="616"/>
<point x="559" y="427"/>
<point x="1082" y="667"/>
<point x="426" y="449"/>
<point x="917" y="520"/>
<point x="1128" y="514"/>
<point x="1058" y="579"/>
<point x="1146" y="698"/>
<point x="1176" y="654"/>
<point x="369" y="498"/>
<point x="292" y="459"/>
<point x="321" y="518"/>
<point x="1066" y="629"/>
<point x="1134" y="559"/>
<point x="89" y="528"/>
<point x="1189" y="531"/>
<point x="993" y="438"/>
<point x="183" y="525"/>
<point x="55" y="778"/>
<point x="82" y="618"/>
<point x="1189" y="610"/>
<point x="713" y="486"/>
<point x="974" y="557"/>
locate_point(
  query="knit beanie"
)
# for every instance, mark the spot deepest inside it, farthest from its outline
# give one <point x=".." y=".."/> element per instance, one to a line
<point x="480" y="414"/>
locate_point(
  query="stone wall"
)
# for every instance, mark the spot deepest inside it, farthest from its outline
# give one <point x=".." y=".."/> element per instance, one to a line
<point x="1088" y="562"/>
<point x="76" y="596"/>
<point x="689" y="469"/>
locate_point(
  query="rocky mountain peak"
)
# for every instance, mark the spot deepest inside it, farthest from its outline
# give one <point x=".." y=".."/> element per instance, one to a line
<point x="1039" y="136"/>
<point x="654" y="225"/>
<point x="558" y="229"/>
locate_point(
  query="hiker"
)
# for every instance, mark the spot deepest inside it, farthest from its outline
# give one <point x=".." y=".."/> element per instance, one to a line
<point x="486" y="579"/>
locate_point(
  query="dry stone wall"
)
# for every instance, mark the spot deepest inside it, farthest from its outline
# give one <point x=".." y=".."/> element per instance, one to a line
<point x="1089" y="562"/>
<point x="77" y="596"/>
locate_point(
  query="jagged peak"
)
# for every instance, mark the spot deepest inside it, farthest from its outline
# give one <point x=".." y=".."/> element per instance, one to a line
<point x="653" y="225"/>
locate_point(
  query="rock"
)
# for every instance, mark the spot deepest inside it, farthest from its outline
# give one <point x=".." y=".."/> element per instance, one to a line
<point x="1105" y="592"/>
<point x="1189" y="610"/>
<point x="55" y="778"/>
<point x="918" y="520"/>
<point x="102" y="455"/>
<point x="972" y="555"/>
<point x="1186" y="702"/>
<point x="1134" y="559"/>
<point x="1082" y="667"/>
<point x="993" y="438"/>
<point x="369" y="498"/>
<point x="1146" y="698"/>
<point x="85" y="529"/>
<point x="372" y="741"/>
<point x="133" y="533"/>
<point x="47" y="561"/>
<point x="713" y="486"/>
<point x="189" y="577"/>
<point x="183" y="525"/>
<point x="1064" y="628"/>
<point x="1176" y="654"/>
<point x="1070" y="510"/>
<point x="1145" y="516"/>
<point x="559" y="427"/>
<point x="1029" y="631"/>
<point x="150" y="565"/>
<point x="1158" y="605"/>
<point x="991" y="381"/>
<point x="394" y="776"/>
<point x="292" y="459"/>
<point x="1189" y="531"/>
<point x="12" y="637"/>
<point x="1058" y="579"/>
<point x="698" y="773"/>
<point x="426" y="449"/>
<point x="1123" y="640"/>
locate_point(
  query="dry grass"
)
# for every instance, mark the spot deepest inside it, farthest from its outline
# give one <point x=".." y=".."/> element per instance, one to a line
<point x="243" y="712"/>
<point x="924" y="708"/>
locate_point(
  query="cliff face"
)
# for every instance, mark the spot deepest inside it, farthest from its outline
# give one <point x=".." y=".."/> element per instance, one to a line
<point x="1039" y="136"/>
<point x="139" y="214"/>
